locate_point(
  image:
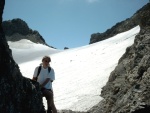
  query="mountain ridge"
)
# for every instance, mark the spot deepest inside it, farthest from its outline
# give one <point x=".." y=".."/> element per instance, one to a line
<point x="17" y="29"/>
<point x="122" y="26"/>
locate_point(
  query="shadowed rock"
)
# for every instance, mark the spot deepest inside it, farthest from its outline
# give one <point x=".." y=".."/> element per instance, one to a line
<point x="128" y="87"/>
<point x="17" y="93"/>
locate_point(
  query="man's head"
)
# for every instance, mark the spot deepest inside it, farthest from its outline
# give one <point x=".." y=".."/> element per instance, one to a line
<point x="46" y="60"/>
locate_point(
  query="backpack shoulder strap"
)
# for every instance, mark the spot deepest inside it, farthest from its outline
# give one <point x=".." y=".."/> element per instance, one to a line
<point x="49" y="69"/>
<point x="39" y="69"/>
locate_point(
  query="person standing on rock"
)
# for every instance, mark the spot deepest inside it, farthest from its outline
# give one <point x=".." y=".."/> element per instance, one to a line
<point x="45" y="75"/>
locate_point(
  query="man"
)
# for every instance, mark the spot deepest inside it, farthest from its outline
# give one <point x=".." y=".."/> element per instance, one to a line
<point x="45" y="75"/>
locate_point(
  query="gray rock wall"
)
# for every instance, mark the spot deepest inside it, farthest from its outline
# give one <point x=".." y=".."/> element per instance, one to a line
<point x="128" y="87"/>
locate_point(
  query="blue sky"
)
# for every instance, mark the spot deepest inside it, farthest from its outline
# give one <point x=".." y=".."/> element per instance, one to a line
<point x="70" y="23"/>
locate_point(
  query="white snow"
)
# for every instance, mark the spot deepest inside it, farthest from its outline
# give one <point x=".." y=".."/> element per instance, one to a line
<point x="80" y="72"/>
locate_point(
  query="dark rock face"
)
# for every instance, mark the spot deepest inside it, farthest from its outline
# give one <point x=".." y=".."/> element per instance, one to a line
<point x="119" y="27"/>
<point x="128" y="87"/>
<point x="17" y="93"/>
<point x="18" y="29"/>
<point x="66" y="48"/>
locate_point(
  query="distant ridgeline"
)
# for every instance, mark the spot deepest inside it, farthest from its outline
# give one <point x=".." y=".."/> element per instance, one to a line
<point x="18" y="29"/>
<point x="123" y="26"/>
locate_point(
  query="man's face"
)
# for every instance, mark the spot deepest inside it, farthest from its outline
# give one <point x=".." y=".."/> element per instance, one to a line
<point x="46" y="62"/>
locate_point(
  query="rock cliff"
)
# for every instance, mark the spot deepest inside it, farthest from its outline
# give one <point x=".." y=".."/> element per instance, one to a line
<point x="17" y="93"/>
<point x="128" y="87"/>
<point x="18" y="29"/>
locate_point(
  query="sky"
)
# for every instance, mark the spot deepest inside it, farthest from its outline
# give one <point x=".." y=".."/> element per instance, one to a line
<point x="80" y="73"/>
<point x="70" y="23"/>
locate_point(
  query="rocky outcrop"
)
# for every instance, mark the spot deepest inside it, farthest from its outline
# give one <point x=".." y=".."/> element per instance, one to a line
<point x="119" y="27"/>
<point x="17" y="93"/>
<point x="128" y="87"/>
<point x="66" y="48"/>
<point x="18" y="29"/>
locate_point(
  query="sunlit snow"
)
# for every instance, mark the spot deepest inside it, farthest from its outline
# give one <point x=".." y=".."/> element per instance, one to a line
<point x="80" y="72"/>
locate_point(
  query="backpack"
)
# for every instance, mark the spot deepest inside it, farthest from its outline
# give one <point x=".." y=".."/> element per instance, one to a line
<point x="39" y="69"/>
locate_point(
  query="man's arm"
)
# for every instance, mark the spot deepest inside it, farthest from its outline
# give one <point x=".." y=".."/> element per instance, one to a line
<point x="34" y="78"/>
<point x="45" y="82"/>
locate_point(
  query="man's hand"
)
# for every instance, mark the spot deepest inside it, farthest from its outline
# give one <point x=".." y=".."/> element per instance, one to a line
<point x="45" y="82"/>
